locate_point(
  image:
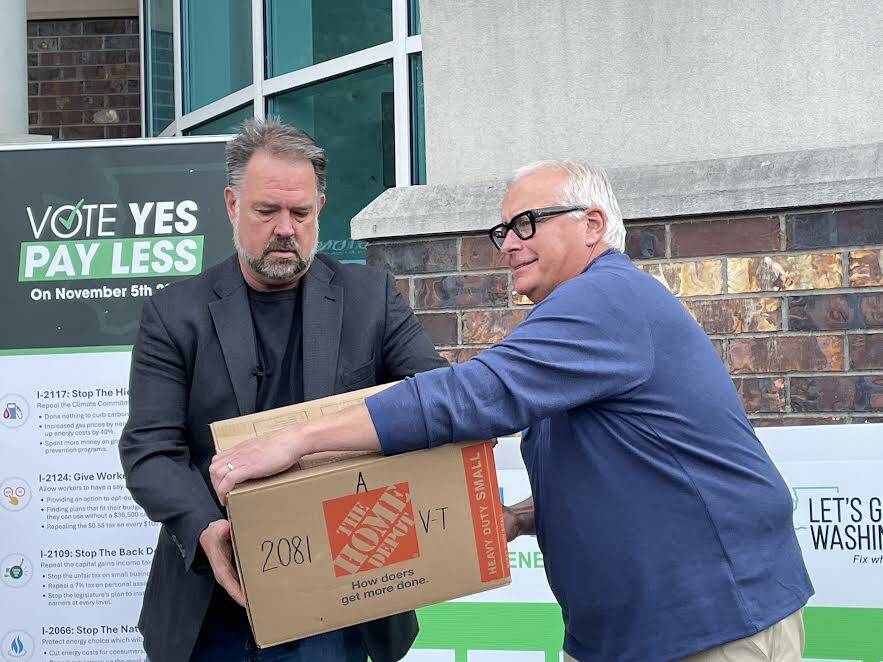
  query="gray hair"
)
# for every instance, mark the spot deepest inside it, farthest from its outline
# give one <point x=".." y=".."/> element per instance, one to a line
<point x="280" y="140"/>
<point x="586" y="186"/>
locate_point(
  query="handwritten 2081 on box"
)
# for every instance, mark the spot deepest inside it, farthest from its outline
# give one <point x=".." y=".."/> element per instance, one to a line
<point x="347" y="538"/>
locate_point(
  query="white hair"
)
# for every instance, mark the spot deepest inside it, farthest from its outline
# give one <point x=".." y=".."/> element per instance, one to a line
<point x="586" y="186"/>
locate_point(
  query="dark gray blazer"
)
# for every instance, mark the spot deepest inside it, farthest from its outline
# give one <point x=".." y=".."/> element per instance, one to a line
<point x="194" y="363"/>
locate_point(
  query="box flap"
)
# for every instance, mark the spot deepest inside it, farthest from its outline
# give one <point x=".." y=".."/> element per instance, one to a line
<point x="232" y="431"/>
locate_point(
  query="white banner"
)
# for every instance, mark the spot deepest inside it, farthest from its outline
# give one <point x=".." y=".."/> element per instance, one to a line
<point x="75" y="550"/>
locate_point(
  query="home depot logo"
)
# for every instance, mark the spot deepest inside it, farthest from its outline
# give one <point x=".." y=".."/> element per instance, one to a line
<point x="371" y="530"/>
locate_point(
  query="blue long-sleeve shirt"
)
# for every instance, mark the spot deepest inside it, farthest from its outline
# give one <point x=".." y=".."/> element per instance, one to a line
<point x="665" y="527"/>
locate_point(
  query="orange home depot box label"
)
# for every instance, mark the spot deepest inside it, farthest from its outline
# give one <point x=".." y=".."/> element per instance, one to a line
<point x="340" y="544"/>
<point x="371" y="530"/>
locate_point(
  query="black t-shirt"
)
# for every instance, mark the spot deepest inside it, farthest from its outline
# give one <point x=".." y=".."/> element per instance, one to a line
<point x="277" y="328"/>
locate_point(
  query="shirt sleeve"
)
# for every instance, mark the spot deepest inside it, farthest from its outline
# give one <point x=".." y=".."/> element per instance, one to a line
<point x="587" y="342"/>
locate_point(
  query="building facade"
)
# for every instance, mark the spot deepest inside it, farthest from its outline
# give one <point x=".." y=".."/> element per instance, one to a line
<point x="764" y="217"/>
<point x="769" y="116"/>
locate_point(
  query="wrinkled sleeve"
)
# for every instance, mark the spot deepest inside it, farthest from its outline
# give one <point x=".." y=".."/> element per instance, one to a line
<point x="583" y="344"/>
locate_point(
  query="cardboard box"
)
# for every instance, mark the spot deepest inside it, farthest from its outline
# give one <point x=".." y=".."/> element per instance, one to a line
<point x="353" y="537"/>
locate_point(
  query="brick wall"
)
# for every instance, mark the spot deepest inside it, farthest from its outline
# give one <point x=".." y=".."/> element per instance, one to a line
<point x="84" y="78"/>
<point x="793" y="302"/>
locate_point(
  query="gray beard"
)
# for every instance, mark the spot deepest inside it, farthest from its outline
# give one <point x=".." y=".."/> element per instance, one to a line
<point x="276" y="270"/>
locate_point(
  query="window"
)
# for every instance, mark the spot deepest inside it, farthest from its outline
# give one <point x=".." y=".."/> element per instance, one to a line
<point x="302" y="33"/>
<point x="159" y="65"/>
<point x="349" y="73"/>
<point x="217" y="49"/>
<point x="227" y="123"/>
<point x="414" y="17"/>
<point x="352" y="118"/>
<point x="418" y="128"/>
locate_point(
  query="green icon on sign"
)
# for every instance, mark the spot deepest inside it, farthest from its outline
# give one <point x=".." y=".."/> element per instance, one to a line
<point x="16" y="571"/>
<point x="69" y="221"/>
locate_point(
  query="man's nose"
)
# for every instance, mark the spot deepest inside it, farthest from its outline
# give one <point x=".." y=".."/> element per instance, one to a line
<point x="511" y="242"/>
<point x="284" y="227"/>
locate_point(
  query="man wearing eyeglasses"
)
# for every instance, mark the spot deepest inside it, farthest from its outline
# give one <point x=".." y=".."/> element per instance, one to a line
<point x="666" y="529"/>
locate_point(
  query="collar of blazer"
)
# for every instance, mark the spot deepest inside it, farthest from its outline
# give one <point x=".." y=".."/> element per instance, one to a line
<point x="321" y="315"/>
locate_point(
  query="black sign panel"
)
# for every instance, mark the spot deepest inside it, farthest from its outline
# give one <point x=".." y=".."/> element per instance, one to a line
<point x="89" y="231"/>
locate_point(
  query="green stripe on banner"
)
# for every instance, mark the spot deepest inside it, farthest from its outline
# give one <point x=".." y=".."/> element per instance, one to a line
<point x="499" y="626"/>
<point x="134" y="257"/>
<point x="841" y="633"/>
<point x="100" y="349"/>
<point x="831" y="632"/>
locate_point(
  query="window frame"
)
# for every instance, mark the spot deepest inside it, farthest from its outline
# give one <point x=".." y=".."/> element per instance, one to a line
<point x="262" y="88"/>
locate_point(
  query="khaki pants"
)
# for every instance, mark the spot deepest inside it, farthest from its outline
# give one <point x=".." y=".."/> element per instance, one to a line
<point x="781" y="642"/>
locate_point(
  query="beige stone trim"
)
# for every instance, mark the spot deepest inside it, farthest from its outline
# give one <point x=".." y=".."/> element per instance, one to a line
<point x="39" y="10"/>
<point x="829" y="176"/>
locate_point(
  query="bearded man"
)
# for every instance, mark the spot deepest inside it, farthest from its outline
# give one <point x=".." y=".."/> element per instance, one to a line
<point x="273" y="325"/>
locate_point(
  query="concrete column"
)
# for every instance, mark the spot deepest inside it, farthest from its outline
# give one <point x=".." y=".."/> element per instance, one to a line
<point x="14" y="70"/>
<point x="621" y="83"/>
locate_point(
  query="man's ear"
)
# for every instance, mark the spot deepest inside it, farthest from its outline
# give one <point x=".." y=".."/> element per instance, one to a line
<point x="596" y="225"/>
<point x="319" y="205"/>
<point x="230" y="204"/>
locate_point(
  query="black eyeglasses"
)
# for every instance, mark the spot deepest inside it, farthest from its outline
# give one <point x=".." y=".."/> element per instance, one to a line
<point x="525" y="224"/>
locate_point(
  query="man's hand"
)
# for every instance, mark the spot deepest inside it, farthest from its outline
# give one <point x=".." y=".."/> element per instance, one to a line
<point x="349" y="429"/>
<point x="261" y="456"/>
<point x="218" y="547"/>
<point x="510" y="521"/>
<point x="519" y="520"/>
